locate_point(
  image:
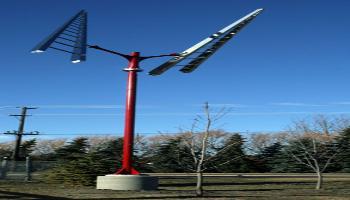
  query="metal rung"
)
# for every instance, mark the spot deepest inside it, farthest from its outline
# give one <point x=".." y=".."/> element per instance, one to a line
<point x="66" y="39"/>
<point x="60" y="49"/>
<point x="73" y="28"/>
<point x="69" y="35"/>
<point x="75" y="25"/>
<point x="72" y="31"/>
<point x="64" y="44"/>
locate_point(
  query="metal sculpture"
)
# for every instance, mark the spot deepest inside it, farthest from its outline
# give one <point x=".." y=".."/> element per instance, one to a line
<point x="72" y="34"/>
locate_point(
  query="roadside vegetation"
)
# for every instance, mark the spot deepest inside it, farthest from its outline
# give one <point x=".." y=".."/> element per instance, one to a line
<point x="316" y="145"/>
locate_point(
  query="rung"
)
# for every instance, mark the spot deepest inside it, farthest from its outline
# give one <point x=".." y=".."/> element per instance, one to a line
<point x="69" y="35"/>
<point x="64" y="44"/>
<point x="66" y="39"/>
<point x="75" y="25"/>
<point x="60" y="49"/>
<point x="72" y="31"/>
<point x="73" y="28"/>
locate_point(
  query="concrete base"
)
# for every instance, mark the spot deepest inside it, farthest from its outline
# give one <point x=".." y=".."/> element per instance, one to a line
<point x="127" y="182"/>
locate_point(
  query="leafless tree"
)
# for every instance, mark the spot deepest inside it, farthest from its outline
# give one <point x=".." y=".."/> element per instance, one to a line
<point x="313" y="144"/>
<point x="204" y="143"/>
<point x="6" y="149"/>
<point x="47" y="146"/>
<point x="95" y="141"/>
<point x="259" y="141"/>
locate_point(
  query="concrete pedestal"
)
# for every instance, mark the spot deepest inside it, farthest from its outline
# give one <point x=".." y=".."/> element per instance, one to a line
<point x="127" y="182"/>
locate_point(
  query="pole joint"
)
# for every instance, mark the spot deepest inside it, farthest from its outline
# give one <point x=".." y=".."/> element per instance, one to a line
<point x="128" y="69"/>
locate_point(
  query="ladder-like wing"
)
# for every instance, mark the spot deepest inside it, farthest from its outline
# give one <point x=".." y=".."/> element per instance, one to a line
<point x="70" y="38"/>
<point x="215" y="41"/>
<point x="79" y="51"/>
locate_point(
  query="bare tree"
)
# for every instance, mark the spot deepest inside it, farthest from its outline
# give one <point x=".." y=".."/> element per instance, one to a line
<point x="47" y="146"/>
<point x="259" y="141"/>
<point x="6" y="149"/>
<point x="204" y="144"/>
<point x="95" y="141"/>
<point x="312" y="144"/>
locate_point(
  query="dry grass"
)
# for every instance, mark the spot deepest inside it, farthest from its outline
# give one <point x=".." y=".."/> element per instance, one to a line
<point x="182" y="188"/>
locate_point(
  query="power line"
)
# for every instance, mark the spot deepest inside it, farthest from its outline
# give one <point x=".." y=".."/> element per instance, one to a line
<point x="150" y="133"/>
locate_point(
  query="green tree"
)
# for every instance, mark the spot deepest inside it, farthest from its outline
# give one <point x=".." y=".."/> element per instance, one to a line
<point x="108" y="155"/>
<point x="86" y="166"/>
<point x="343" y="142"/>
<point x="70" y="163"/>
<point x="231" y="156"/>
<point x="75" y="149"/>
<point x="283" y="162"/>
<point x="270" y="157"/>
<point x="172" y="156"/>
<point x="143" y="155"/>
<point x="26" y="148"/>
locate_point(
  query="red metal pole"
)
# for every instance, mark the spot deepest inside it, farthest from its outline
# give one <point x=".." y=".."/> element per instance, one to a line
<point x="132" y="70"/>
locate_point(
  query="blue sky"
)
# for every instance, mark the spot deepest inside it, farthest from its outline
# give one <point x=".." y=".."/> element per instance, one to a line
<point x="292" y="61"/>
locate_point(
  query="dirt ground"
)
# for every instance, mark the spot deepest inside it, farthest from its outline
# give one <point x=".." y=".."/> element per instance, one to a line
<point x="183" y="188"/>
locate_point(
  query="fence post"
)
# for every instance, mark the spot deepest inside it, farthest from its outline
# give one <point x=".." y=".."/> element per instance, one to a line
<point x="3" y="168"/>
<point x="28" y="169"/>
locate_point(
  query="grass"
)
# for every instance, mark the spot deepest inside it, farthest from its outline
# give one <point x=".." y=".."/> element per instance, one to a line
<point x="182" y="188"/>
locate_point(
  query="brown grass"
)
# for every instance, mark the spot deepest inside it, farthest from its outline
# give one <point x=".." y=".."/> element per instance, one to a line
<point x="182" y="188"/>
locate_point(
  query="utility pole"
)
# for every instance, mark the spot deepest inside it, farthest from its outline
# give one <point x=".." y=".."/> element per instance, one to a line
<point x="20" y="132"/>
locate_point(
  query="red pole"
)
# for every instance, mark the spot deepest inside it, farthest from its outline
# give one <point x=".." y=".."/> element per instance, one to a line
<point x="132" y="70"/>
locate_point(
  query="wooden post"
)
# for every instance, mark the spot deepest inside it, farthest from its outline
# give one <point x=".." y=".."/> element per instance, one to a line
<point x="28" y="169"/>
<point x="3" y="168"/>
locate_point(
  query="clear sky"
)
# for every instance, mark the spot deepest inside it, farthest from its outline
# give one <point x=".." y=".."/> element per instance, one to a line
<point x="292" y="61"/>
